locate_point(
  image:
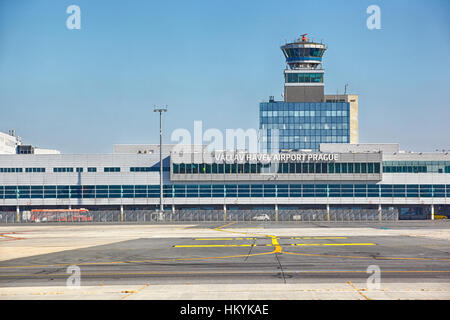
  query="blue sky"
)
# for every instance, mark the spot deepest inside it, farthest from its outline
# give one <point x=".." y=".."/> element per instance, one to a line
<point x="81" y="91"/>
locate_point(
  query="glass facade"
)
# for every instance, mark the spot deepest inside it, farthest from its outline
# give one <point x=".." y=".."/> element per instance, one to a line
<point x="304" y="77"/>
<point x="303" y="125"/>
<point x="416" y="166"/>
<point x="227" y="191"/>
<point x="300" y="168"/>
<point x="303" y="52"/>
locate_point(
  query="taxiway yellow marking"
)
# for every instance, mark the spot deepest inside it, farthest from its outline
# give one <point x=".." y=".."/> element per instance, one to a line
<point x="221" y="245"/>
<point x="278" y="248"/>
<point x="229" y="224"/>
<point x="357" y="290"/>
<point x="275" y="243"/>
<point x="225" y="225"/>
<point x="212" y="245"/>
<point x="333" y="244"/>
<point x="137" y="291"/>
<point x="224" y="239"/>
<point x="214" y="239"/>
<point x="318" y="238"/>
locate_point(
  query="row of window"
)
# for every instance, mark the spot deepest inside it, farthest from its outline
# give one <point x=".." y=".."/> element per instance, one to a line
<point x="148" y="169"/>
<point x="309" y="135"/>
<point x="314" y="168"/>
<point x="34" y="169"/>
<point x="304" y="77"/>
<point x="9" y="170"/>
<point x="305" y="113"/>
<point x="284" y="143"/>
<point x="303" y="52"/>
<point x="226" y="190"/>
<point x="296" y="127"/>
<point x="62" y="169"/>
<point x="303" y="120"/>
<point x="90" y="169"/>
<point x="303" y="106"/>
<point x="416" y="163"/>
<point x="18" y="170"/>
<point x="416" y="169"/>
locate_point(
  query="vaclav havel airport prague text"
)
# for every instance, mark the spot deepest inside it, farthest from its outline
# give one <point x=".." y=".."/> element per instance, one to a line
<point x="265" y="157"/>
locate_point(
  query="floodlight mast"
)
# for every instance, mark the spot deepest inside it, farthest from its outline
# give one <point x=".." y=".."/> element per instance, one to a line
<point x="161" y="205"/>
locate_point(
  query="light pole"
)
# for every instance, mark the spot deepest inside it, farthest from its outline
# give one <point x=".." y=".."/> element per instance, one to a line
<point x="161" y="206"/>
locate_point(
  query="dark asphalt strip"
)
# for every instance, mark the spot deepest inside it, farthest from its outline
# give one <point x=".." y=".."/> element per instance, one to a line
<point x="281" y="267"/>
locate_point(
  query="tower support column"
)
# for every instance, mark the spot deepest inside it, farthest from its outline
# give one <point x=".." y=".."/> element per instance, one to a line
<point x="432" y="211"/>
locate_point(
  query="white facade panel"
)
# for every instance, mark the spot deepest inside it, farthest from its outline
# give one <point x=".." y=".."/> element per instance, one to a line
<point x="7" y="144"/>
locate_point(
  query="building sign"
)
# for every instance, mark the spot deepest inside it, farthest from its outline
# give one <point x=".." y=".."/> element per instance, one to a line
<point x="277" y="157"/>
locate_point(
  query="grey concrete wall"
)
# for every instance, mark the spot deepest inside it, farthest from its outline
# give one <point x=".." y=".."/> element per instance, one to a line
<point x="303" y="93"/>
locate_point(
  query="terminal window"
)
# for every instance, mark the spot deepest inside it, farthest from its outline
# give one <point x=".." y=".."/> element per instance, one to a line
<point x="62" y="169"/>
<point x="10" y="170"/>
<point x="34" y="169"/>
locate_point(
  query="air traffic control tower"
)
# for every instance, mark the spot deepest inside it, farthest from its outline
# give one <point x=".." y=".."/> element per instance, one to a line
<point x="303" y="79"/>
<point x="307" y="117"/>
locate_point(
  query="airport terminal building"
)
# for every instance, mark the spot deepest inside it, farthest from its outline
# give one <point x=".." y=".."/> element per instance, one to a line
<point x="341" y="181"/>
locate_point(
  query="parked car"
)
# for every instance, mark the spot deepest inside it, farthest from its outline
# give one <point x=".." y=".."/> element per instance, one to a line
<point x="261" y="217"/>
<point x="297" y="217"/>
